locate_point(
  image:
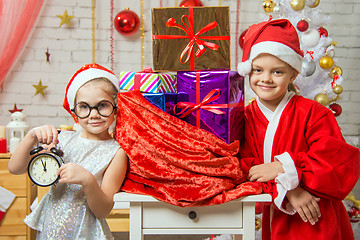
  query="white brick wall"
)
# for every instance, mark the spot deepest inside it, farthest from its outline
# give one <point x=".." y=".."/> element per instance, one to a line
<point x="70" y="48"/>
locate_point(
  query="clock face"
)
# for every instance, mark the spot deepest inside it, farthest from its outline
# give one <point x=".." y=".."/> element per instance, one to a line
<point x="42" y="169"/>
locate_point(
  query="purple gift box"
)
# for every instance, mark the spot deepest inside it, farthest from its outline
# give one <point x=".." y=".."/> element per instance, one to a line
<point x="212" y="100"/>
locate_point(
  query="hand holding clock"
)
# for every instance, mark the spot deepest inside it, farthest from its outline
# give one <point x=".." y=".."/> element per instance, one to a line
<point x="46" y="134"/>
<point x="74" y="174"/>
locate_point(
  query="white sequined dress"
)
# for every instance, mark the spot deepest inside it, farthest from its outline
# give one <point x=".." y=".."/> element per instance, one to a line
<point x="63" y="213"/>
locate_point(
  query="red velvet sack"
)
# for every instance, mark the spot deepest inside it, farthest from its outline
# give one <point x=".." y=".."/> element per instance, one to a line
<point x="174" y="161"/>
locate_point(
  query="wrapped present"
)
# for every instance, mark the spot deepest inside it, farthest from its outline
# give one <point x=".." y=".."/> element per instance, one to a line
<point x="191" y="38"/>
<point x="212" y="100"/>
<point x="164" y="101"/>
<point x="157" y="99"/>
<point x="148" y="81"/>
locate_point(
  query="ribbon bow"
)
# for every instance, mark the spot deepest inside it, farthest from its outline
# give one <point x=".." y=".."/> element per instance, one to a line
<point x="336" y="77"/>
<point x="194" y="37"/>
<point x="189" y="107"/>
<point x="311" y="54"/>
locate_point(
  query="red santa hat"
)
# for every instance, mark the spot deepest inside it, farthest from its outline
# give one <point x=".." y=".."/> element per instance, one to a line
<point x="276" y="37"/>
<point x="82" y="76"/>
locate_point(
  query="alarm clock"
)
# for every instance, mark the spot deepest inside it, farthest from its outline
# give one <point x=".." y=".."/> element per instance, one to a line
<point x="42" y="167"/>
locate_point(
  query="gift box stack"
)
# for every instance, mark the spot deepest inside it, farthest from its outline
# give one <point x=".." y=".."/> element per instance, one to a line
<point x="194" y="44"/>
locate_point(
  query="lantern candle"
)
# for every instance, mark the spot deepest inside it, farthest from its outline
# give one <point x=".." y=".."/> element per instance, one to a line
<point x="14" y="142"/>
<point x="2" y="132"/>
<point x="3" y="146"/>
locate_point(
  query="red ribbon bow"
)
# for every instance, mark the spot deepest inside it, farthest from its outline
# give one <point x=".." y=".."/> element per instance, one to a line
<point x="189" y="107"/>
<point x="336" y="77"/>
<point x="194" y="37"/>
<point x="311" y="54"/>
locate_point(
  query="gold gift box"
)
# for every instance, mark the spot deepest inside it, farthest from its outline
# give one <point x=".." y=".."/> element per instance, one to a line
<point x="195" y="38"/>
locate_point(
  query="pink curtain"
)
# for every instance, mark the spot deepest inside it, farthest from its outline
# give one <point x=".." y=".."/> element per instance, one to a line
<point x="18" y="19"/>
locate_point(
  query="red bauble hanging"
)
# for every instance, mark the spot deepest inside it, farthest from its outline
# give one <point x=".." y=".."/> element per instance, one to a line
<point x="323" y="32"/>
<point x="302" y="25"/>
<point x="126" y="22"/>
<point x="336" y="108"/>
<point x="241" y="38"/>
<point x="191" y="3"/>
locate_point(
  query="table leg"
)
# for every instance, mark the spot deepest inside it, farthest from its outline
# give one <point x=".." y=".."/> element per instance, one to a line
<point x="249" y="220"/>
<point x="136" y="232"/>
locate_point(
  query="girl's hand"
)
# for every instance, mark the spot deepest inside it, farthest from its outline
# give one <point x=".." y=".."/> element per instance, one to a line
<point x="74" y="174"/>
<point x="305" y="204"/>
<point x="46" y="134"/>
<point x="265" y="172"/>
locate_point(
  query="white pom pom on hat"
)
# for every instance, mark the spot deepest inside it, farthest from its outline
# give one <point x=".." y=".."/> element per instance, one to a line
<point x="276" y="37"/>
<point x="82" y="76"/>
<point x="244" y="68"/>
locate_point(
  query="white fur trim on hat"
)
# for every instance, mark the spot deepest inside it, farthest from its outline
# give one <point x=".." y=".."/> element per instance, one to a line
<point x="279" y="50"/>
<point x="85" y="76"/>
<point x="244" y="68"/>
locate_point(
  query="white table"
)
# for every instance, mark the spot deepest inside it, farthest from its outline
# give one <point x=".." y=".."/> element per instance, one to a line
<point x="149" y="216"/>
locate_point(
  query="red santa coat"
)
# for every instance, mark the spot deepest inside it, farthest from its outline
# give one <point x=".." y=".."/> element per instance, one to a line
<point x="305" y="137"/>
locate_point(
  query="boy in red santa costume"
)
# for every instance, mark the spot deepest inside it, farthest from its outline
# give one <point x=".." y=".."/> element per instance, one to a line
<point x="293" y="145"/>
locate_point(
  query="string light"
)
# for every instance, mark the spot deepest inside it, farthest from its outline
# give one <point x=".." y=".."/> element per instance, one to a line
<point x="142" y="33"/>
<point x="112" y="34"/>
<point x="237" y="33"/>
<point x="93" y="29"/>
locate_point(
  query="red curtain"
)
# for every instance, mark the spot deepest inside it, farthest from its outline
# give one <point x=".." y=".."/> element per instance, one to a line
<point x="18" y="19"/>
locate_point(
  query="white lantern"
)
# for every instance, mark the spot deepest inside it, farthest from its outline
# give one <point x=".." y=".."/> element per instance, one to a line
<point x="16" y="130"/>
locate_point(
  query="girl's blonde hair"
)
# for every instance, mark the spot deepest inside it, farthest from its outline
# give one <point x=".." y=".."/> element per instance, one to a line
<point x="108" y="87"/>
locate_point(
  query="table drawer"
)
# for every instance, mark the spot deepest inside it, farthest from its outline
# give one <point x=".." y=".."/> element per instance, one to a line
<point x="163" y="215"/>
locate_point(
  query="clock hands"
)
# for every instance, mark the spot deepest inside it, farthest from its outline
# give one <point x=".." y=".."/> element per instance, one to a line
<point x="44" y="165"/>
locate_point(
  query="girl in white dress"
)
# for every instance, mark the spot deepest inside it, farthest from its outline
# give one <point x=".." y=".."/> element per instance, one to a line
<point x="95" y="164"/>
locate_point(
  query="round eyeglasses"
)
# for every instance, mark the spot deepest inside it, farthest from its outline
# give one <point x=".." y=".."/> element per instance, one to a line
<point x="83" y="110"/>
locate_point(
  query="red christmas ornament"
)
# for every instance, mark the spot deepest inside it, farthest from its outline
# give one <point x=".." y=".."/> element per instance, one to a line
<point x="191" y="3"/>
<point x="336" y="108"/>
<point x="302" y="25"/>
<point x="323" y="32"/>
<point x="127" y="22"/>
<point x="241" y="38"/>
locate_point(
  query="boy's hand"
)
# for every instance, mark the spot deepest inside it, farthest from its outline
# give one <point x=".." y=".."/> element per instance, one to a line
<point x="305" y="204"/>
<point x="265" y="172"/>
<point x="46" y="134"/>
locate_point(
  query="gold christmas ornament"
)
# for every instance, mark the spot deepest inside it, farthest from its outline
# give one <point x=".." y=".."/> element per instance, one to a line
<point x="336" y="70"/>
<point x="322" y="99"/>
<point x="297" y="5"/>
<point x="326" y="62"/>
<point x="65" y="18"/>
<point x="268" y="5"/>
<point x="310" y="2"/>
<point x="258" y="223"/>
<point x="317" y="2"/>
<point x="338" y="89"/>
